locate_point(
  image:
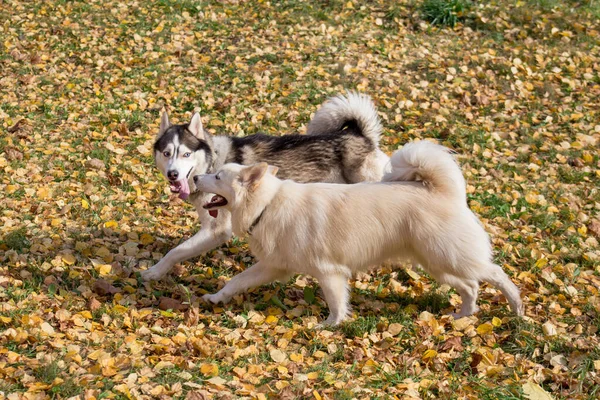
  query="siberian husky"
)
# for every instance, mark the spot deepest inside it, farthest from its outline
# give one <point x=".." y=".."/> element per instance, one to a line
<point x="419" y="211"/>
<point x="341" y="145"/>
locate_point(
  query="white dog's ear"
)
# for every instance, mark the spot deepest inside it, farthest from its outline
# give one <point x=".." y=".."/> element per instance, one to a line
<point x="164" y="123"/>
<point x="196" y="127"/>
<point x="272" y="170"/>
<point x="252" y="175"/>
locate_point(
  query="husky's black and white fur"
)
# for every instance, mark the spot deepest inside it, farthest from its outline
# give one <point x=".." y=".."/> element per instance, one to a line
<point x="341" y="146"/>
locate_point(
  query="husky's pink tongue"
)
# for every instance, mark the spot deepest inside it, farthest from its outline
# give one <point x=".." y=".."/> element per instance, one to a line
<point x="182" y="188"/>
<point x="184" y="192"/>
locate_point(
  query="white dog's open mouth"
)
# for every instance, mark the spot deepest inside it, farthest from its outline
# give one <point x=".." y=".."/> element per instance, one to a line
<point x="180" y="187"/>
<point x="215" y="202"/>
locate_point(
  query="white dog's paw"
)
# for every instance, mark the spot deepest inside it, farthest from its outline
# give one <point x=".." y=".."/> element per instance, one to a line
<point x="465" y="313"/>
<point x="214" y="298"/>
<point x="152" y="274"/>
<point x="330" y="322"/>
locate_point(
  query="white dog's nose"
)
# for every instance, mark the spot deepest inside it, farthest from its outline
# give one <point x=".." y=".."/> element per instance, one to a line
<point x="196" y="177"/>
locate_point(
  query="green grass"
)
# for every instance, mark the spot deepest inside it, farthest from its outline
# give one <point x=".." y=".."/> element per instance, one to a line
<point x="17" y="240"/>
<point x="444" y="12"/>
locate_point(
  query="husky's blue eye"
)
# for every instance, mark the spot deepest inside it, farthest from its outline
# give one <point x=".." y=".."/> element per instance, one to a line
<point x="186" y="155"/>
<point x="166" y="154"/>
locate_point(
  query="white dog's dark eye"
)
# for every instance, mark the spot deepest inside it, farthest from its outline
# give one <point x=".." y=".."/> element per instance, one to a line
<point x="186" y="155"/>
<point x="217" y="177"/>
<point x="166" y="154"/>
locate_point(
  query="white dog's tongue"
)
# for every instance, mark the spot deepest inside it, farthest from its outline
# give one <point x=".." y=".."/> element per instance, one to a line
<point x="213" y="213"/>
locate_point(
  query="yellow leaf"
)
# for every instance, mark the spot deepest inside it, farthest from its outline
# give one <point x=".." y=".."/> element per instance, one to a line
<point x="68" y="259"/>
<point x="485" y="328"/>
<point x="86" y="314"/>
<point x="496" y="321"/>
<point x="103" y="269"/>
<point x="271" y="320"/>
<point x="85" y="204"/>
<point x="541" y="262"/>
<point x="533" y="391"/>
<point x="317" y="395"/>
<point x="111" y="224"/>
<point x="282" y="369"/>
<point x="429" y="355"/>
<point x="160" y="27"/>
<point x="4" y="319"/>
<point x="146" y="239"/>
<point x="582" y="230"/>
<point x="295" y="357"/>
<point x="370" y="367"/>
<point x="119" y="308"/>
<point x="313" y="375"/>
<point x="531" y="198"/>
<point x="209" y="369"/>
<point x="56" y="222"/>
<point x="42" y="193"/>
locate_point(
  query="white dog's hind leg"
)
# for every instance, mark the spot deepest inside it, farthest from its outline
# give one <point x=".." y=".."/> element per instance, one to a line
<point x="467" y="288"/>
<point x="257" y="275"/>
<point x="207" y="238"/>
<point x="337" y="295"/>
<point x="499" y="279"/>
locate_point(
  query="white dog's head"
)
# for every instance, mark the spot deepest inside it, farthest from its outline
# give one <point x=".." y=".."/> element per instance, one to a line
<point x="232" y="185"/>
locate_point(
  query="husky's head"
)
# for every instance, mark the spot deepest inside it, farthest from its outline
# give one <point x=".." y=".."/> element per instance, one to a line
<point x="182" y="151"/>
<point x="232" y="185"/>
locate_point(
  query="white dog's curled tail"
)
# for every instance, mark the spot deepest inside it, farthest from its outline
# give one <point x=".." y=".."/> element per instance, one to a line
<point x="341" y="110"/>
<point x="430" y="163"/>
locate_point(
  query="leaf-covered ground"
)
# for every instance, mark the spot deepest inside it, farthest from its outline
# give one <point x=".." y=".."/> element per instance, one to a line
<point x="514" y="88"/>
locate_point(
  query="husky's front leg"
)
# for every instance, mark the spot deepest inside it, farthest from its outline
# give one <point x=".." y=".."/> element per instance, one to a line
<point x="213" y="233"/>
<point x="257" y="275"/>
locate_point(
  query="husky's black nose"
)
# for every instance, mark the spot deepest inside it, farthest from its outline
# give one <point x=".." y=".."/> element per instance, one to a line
<point x="173" y="175"/>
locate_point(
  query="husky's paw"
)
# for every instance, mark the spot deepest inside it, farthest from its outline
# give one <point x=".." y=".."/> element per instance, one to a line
<point x="152" y="274"/>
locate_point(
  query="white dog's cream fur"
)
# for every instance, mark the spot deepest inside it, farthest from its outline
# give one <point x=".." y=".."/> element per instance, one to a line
<point x="331" y="231"/>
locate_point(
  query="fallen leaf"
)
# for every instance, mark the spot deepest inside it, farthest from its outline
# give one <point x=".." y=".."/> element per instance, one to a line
<point x="533" y="391"/>
<point x="103" y="288"/>
<point x="278" y="355"/>
<point x="167" y="303"/>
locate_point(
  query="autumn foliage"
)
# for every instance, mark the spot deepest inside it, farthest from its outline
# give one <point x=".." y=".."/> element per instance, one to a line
<point x="513" y="87"/>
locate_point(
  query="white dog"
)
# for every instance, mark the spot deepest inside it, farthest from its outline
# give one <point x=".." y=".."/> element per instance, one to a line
<point x="331" y="231"/>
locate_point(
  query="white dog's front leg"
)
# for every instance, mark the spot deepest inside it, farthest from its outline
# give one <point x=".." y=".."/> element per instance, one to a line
<point x="337" y="295"/>
<point x="256" y="275"/>
<point x="211" y="235"/>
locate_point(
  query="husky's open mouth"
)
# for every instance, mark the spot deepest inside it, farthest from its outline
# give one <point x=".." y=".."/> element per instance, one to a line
<point x="215" y="202"/>
<point x="180" y="187"/>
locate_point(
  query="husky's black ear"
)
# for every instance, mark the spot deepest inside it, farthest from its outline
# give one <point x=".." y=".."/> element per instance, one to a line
<point x="164" y="123"/>
<point x="252" y="175"/>
<point x="196" y="127"/>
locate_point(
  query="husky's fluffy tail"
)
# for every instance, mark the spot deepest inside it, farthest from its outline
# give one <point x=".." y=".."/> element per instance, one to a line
<point x="341" y="110"/>
<point x="430" y="163"/>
